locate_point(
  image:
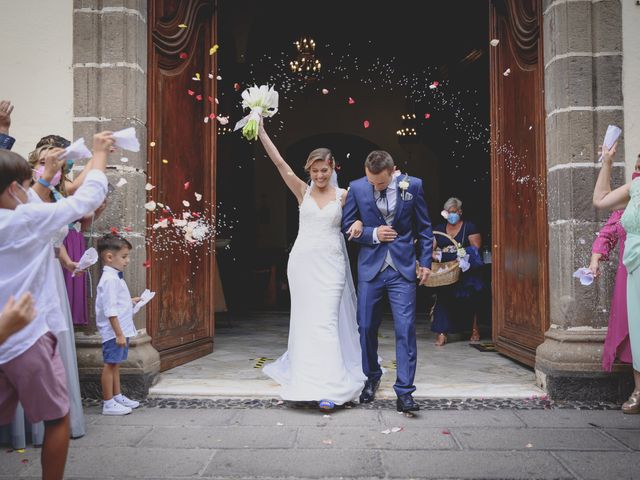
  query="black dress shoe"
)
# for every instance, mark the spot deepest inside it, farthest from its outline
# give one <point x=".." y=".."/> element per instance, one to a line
<point x="369" y="391"/>
<point x="407" y="404"/>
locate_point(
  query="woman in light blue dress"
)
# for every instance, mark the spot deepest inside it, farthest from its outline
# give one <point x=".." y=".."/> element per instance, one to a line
<point x="627" y="197"/>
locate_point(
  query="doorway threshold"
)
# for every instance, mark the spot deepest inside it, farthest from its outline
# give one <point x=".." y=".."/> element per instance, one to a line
<point x="244" y="343"/>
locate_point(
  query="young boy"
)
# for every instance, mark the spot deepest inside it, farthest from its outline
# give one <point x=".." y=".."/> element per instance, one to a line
<point x="31" y="370"/>
<point x="114" y="318"/>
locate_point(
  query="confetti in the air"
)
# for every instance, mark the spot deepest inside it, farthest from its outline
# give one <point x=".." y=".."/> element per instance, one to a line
<point x="427" y="116"/>
<point x="151" y="206"/>
<point x="165" y="161"/>
<point x="507" y="72"/>
<point x="191" y="92"/>
<point x="183" y="55"/>
<point x="494" y="42"/>
<point x="198" y="97"/>
<point x="366" y="124"/>
<point x="219" y="77"/>
<point x="223" y="120"/>
<point x="325" y="91"/>
<point x="146" y="264"/>
<point x="121" y="182"/>
<point x="182" y="25"/>
<point x="351" y="101"/>
<point x="213" y="49"/>
<point x="186" y="185"/>
<point x="148" y="187"/>
<point x="196" y="77"/>
<point x="124" y="159"/>
<point x="198" y="196"/>
<point x="152" y="144"/>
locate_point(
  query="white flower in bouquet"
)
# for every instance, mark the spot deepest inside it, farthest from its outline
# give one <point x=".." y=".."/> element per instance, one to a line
<point x="263" y="102"/>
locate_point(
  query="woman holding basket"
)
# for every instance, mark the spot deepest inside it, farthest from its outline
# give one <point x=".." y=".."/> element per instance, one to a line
<point x="449" y="237"/>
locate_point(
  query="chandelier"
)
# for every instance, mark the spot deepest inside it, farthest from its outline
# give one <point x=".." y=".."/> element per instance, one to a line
<point x="408" y="126"/>
<point x="306" y="62"/>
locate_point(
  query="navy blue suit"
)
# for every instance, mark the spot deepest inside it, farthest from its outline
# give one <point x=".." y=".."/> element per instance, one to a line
<point x="414" y="241"/>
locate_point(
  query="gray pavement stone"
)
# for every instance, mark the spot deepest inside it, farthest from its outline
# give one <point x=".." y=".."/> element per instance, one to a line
<point x="118" y="462"/>
<point x="464" y="418"/>
<point x="534" y="439"/>
<point x="220" y="437"/>
<point x="295" y="463"/>
<point x="630" y="438"/>
<point x="602" y="465"/>
<point x="366" y="438"/>
<point x="13" y="463"/>
<point x="578" y="418"/>
<point x="172" y="417"/>
<point x="111" y="435"/>
<point x="292" y="417"/>
<point x="459" y="464"/>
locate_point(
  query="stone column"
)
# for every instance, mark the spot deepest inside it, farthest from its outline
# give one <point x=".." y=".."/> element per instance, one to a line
<point x="583" y="94"/>
<point x="109" y="73"/>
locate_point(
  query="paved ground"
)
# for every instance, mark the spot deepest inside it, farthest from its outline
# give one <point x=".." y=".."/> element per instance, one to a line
<point x="277" y="441"/>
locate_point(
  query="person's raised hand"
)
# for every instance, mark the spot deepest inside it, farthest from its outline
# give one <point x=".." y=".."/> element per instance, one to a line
<point x="386" y="233"/>
<point x="609" y="153"/>
<point x="5" y="116"/>
<point x="103" y="141"/>
<point x="52" y="163"/>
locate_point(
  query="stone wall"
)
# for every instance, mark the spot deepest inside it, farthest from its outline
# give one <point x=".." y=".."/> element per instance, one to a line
<point x="583" y="94"/>
<point x="109" y="78"/>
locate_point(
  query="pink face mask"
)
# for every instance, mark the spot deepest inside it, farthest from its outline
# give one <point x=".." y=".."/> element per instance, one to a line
<point x="56" y="178"/>
<point x="635" y="175"/>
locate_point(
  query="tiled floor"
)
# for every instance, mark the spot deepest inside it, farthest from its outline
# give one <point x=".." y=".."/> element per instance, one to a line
<point x="453" y="371"/>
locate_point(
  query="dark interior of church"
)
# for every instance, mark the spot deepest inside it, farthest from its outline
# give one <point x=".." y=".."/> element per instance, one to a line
<point x="408" y="77"/>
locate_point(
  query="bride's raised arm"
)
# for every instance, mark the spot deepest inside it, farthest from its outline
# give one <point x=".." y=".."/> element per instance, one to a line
<point x="295" y="184"/>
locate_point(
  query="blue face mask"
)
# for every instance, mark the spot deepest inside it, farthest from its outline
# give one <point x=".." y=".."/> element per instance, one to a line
<point x="453" y="218"/>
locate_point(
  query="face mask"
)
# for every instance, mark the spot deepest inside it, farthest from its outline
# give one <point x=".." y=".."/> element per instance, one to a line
<point x="453" y="218"/>
<point x="70" y="164"/>
<point x="20" y="202"/>
<point x="635" y="175"/>
<point x="56" y="178"/>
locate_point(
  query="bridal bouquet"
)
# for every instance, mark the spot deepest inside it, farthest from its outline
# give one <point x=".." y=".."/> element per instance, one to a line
<point x="263" y="102"/>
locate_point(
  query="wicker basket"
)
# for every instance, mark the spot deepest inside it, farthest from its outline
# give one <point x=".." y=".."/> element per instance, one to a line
<point x="444" y="273"/>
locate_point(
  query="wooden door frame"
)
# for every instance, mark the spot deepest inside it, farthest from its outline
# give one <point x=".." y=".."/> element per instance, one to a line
<point x="173" y="45"/>
<point x="504" y="344"/>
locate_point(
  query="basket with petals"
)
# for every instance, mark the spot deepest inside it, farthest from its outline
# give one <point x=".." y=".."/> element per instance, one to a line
<point x="446" y="273"/>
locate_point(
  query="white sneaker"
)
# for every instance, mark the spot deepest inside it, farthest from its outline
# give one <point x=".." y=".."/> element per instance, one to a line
<point x="114" y="408"/>
<point x="127" y="402"/>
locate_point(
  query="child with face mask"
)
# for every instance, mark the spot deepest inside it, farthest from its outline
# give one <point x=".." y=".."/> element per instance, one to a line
<point x="26" y="232"/>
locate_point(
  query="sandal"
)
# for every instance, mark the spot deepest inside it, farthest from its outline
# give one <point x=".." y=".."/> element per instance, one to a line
<point x="326" y="405"/>
<point x="441" y="340"/>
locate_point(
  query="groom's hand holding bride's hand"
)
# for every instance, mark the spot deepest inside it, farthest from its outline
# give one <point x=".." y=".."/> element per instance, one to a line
<point x="423" y="274"/>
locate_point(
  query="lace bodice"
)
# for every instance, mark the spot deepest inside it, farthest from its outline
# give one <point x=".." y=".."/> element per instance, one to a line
<point x="631" y="217"/>
<point x="320" y="227"/>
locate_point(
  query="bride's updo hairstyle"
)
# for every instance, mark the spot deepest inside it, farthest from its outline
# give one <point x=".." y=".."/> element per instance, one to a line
<point x="319" y="154"/>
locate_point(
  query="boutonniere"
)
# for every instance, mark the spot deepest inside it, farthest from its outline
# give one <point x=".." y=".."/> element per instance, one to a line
<point x="403" y="185"/>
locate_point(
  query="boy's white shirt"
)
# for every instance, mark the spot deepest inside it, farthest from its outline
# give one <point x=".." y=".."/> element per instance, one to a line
<point x="27" y="259"/>
<point x="113" y="300"/>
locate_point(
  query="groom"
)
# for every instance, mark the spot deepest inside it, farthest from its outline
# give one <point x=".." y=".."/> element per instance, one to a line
<point x="392" y="208"/>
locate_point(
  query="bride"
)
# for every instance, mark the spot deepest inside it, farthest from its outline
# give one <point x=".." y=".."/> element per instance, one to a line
<point x="323" y="362"/>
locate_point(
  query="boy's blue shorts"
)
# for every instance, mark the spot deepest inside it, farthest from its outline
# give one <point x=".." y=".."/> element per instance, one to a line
<point x="114" y="353"/>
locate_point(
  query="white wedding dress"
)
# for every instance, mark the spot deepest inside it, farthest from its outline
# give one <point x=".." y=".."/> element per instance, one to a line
<point x="324" y="359"/>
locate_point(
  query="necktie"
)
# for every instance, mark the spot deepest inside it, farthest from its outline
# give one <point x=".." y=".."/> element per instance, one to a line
<point x="384" y="202"/>
<point x="120" y="275"/>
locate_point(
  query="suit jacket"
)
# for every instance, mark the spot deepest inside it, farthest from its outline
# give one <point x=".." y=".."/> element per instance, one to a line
<point x="411" y="222"/>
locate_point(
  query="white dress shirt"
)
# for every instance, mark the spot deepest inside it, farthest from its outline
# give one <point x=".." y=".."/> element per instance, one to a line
<point x="113" y="300"/>
<point x="27" y="260"/>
